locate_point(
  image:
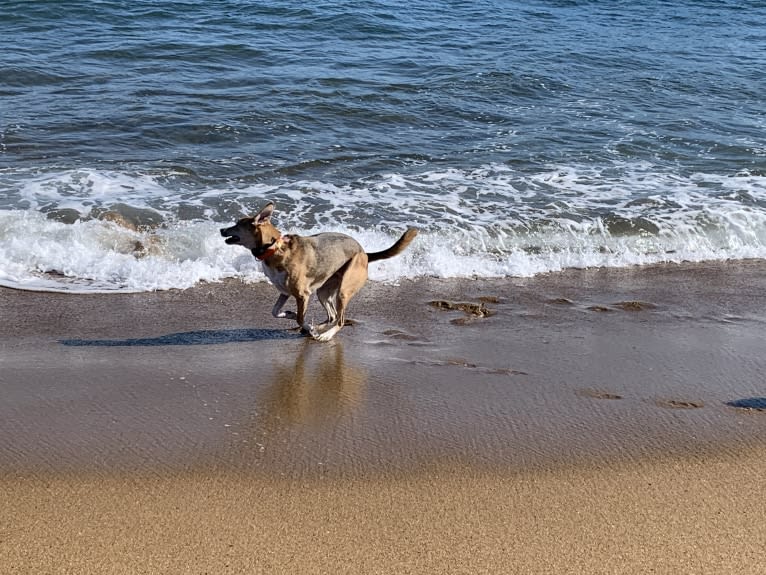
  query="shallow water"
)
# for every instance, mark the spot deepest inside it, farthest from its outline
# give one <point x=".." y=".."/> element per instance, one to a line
<point x="521" y="137"/>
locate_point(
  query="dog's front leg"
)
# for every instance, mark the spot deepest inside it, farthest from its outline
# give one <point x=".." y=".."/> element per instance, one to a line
<point x="303" y="306"/>
<point x="276" y="311"/>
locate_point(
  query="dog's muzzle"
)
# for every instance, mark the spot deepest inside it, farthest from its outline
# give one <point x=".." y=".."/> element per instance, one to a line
<point x="231" y="238"/>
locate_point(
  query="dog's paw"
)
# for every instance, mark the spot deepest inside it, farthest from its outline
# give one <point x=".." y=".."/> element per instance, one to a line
<point x="287" y="315"/>
<point x="309" y="330"/>
<point x="326" y="335"/>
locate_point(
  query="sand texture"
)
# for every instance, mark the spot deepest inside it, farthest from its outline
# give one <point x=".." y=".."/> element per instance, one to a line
<point x="580" y="422"/>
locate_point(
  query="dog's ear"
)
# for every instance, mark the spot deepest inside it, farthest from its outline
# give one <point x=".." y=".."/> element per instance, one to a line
<point x="265" y="214"/>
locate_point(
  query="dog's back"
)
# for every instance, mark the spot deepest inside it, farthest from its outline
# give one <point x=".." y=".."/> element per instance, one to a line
<point x="324" y="254"/>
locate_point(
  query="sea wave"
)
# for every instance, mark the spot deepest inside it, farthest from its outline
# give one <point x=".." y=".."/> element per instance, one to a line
<point x="95" y="231"/>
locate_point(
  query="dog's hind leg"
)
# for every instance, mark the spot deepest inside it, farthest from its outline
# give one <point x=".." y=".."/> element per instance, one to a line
<point x="328" y="297"/>
<point x="354" y="275"/>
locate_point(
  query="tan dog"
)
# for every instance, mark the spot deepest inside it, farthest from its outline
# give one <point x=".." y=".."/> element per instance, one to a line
<point x="332" y="264"/>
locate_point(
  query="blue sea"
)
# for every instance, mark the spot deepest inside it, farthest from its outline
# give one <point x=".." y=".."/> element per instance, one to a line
<point x="521" y="137"/>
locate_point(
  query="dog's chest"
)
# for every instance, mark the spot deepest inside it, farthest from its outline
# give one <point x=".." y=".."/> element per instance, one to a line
<point x="278" y="277"/>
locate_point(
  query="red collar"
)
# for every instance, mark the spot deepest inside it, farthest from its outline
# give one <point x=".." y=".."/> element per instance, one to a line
<point x="273" y="249"/>
<point x="267" y="254"/>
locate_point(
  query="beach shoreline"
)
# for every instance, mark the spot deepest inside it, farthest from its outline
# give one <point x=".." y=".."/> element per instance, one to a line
<point x="600" y="421"/>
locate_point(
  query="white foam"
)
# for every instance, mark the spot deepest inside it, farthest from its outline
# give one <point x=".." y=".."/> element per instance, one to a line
<point x="486" y="222"/>
<point x="37" y="253"/>
<point x="82" y="190"/>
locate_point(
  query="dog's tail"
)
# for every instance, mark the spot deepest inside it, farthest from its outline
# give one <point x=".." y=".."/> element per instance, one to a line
<point x="395" y="249"/>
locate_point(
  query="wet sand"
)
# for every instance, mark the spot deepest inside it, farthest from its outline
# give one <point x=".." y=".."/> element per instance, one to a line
<point x="606" y="421"/>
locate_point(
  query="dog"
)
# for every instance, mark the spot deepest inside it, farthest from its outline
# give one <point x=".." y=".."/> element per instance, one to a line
<point x="331" y="264"/>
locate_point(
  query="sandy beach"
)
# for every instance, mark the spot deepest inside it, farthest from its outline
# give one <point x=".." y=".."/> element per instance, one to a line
<point x="590" y="421"/>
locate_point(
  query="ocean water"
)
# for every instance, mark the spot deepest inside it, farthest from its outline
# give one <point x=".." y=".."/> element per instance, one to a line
<point x="521" y="137"/>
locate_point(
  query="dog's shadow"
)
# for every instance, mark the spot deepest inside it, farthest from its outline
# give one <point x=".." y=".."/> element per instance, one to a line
<point x="199" y="337"/>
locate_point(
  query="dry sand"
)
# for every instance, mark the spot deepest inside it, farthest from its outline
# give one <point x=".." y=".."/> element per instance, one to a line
<point x="582" y="422"/>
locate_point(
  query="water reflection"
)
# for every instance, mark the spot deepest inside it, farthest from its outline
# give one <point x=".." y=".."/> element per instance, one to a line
<point x="319" y="387"/>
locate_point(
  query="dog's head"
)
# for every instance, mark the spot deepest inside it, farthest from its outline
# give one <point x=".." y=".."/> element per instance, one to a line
<point x="256" y="233"/>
